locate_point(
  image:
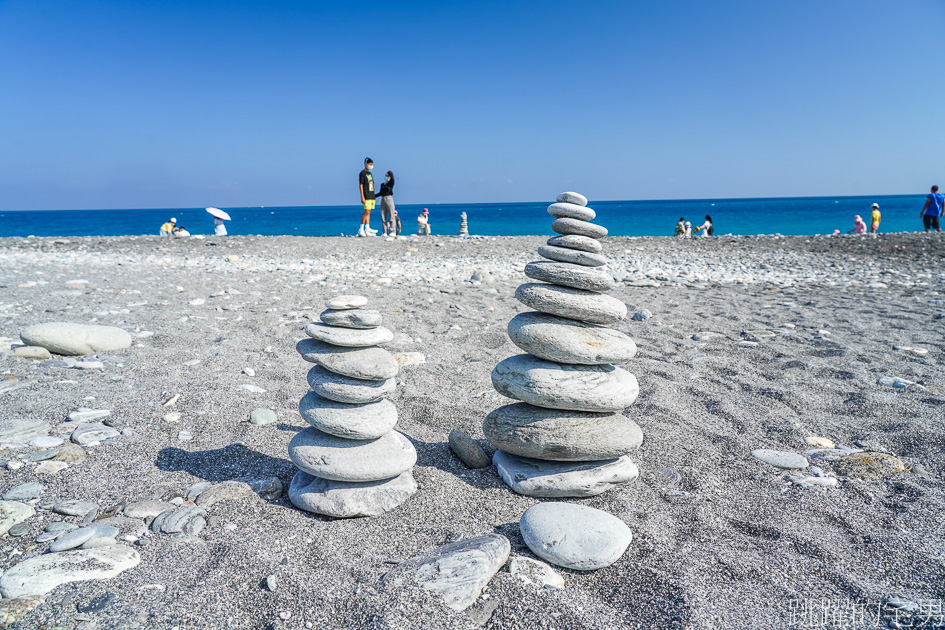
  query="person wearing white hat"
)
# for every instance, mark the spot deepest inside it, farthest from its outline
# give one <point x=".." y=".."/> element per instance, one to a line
<point x="875" y="217"/>
<point x="688" y="232"/>
<point x="168" y="228"/>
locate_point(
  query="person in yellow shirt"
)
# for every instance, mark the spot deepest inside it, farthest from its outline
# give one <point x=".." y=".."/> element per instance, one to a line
<point x="874" y="219"/>
<point x="168" y="228"/>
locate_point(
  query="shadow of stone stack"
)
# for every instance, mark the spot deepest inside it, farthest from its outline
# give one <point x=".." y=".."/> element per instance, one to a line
<point x="351" y="461"/>
<point x="463" y="227"/>
<point x="567" y="437"/>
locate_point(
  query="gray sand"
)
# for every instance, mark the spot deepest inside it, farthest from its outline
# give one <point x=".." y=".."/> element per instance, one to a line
<point x="737" y="551"/>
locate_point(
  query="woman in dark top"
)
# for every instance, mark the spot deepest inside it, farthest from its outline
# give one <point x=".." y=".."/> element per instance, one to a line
<point x="387" y="204"/>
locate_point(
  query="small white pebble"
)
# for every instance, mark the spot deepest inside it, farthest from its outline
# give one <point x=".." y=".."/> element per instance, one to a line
<point x="14" y="464"/>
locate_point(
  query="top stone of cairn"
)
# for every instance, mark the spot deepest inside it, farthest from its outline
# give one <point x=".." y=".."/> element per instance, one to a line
<point x="572" y="197"/>
<point x="343" y="302"/>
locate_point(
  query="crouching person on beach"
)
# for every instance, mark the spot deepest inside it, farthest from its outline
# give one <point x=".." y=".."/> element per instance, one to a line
<point x="423" y="223"/>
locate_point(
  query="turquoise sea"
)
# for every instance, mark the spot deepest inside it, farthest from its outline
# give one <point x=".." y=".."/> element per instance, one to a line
<point x="797" y="215"/>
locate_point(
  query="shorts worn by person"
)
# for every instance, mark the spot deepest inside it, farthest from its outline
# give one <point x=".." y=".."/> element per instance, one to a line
<point x="875" y="218"/>
<point x="168" y="228"/>
<point x="932" y="210"/>
<point x="423" y="223"/>
<point x="366" y="186"/>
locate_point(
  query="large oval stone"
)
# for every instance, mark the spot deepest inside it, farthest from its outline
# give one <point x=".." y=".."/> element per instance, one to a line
<point x="581" y="228"/>
<point x="548" y="479"/>
<point x="574" y="536"/>
<point x="574" y="256"/>
<point x="568" y="275"/>
<point x="560" y="435"/>
<point x="569" y="341"/>
<point x="367" y="363"/>
<point x="565" y="210"/>
<point x="344" y="499"/>
<point x="331" y="457"/>
<point x="346" y="301"/>
<point x="585" y="306"/>
<point x="573" y="241"/>
<point x="558" y="386"/>
<point x="348" y="337"/>
<point x="40" y="574"/>
<point x="354" y="422"/>
<point x="572" y="197"/>
<point x="345" y="389"/>
<point x="351" y="318"/>
<point x="75" y="339"/>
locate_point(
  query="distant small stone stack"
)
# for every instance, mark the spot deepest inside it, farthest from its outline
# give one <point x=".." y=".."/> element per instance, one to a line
<point x="463" y="228"/>
<point x="566" y="438"/>
<point x="352" y="462"/>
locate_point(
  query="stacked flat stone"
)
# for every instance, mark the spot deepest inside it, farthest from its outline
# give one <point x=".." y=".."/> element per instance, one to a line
<point x="567" y="437"/>
<point x="352" y="462"/>
<point x="463" y="227"/>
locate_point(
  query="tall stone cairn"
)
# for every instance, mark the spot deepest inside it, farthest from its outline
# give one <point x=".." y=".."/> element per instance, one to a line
<point x="567" y="437"/>
<point x="351" y="461"/>
<point x="463" y="227"/>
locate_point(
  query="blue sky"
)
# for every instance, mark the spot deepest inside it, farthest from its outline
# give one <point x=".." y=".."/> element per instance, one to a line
<point x="129" y="104"/>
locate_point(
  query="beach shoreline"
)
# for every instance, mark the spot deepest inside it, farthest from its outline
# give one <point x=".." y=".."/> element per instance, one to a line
<point x="752" y="342"/>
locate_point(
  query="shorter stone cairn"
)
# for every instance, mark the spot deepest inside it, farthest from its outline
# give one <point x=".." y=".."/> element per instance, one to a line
<point x="463" y="227"/>
<point x="352" y="462"/>
<point x="567" y="437"/>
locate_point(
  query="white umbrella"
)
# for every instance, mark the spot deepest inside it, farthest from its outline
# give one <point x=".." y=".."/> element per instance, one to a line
<point x="219" y="214"/>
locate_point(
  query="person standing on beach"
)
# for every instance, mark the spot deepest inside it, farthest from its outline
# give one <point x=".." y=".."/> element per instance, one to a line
<point x="875" y="217"/>
<point x="366" y="184"/>
<point x="387" y="204"/>
<point x="395" y="224"/>
<point x="932" y="210"/>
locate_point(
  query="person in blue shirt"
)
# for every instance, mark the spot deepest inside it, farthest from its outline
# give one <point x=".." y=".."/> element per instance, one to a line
<point x="932" y="210"/>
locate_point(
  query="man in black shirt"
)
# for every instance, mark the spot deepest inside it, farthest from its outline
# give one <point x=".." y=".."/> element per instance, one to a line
<point x="366" y="184"/>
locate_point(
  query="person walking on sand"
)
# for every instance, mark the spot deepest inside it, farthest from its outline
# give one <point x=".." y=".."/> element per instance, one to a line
<point x="423" y="223"/>
<point x="875" y="218"/>
<point x="706" y="228"/>
<point x="680" y="227"/>
<point x="168" y="228"/>
<point x="932" y="210"/>
<point x="387" y="204"/>
<point x="366" y="184"/>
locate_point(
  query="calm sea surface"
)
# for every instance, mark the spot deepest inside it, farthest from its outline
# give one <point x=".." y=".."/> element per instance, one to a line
<point x="800" y="215"/>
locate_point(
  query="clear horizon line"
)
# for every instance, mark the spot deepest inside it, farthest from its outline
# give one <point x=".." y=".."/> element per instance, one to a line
<point x="468" y="203"/>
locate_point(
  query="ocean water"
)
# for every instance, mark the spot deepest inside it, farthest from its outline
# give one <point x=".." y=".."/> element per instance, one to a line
<point x="796" y="215"/>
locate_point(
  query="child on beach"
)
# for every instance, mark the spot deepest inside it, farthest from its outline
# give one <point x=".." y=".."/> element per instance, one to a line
<point x="875" y="217"/>
<point x="423" y="223"/>
<point x="680" y="227"/>
<point x="181" y="232"/>
<point x="395" y="224"/>
<point x="706" y="228"/>
<point x="687" y="233"/>
<point x="859" y="226"/>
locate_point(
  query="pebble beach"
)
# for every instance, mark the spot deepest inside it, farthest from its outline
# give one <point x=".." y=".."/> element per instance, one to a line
<point x="752" y="352"/>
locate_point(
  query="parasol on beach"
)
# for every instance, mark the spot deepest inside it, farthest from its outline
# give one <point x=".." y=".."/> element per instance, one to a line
<point x="219" y="214"/>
